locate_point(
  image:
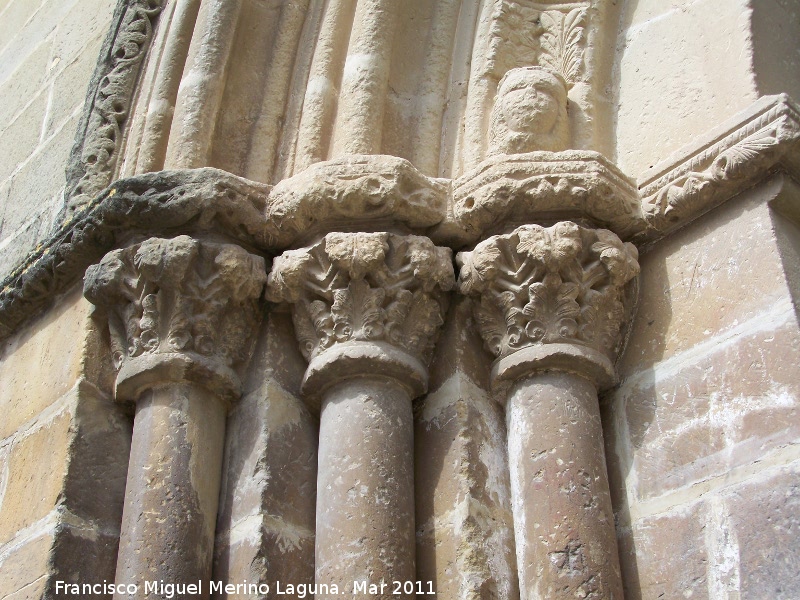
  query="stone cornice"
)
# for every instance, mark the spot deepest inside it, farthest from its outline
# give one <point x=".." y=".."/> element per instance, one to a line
<point x="732" y="157"/>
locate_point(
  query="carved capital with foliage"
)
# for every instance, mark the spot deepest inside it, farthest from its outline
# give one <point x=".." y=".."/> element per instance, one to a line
<point x="367" y="291"/>
<point x="178" y="309"/>
<point x="563" y="285"/>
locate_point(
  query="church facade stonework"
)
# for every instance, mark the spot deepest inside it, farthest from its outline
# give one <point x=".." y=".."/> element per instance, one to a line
<point x="468" y="299"/>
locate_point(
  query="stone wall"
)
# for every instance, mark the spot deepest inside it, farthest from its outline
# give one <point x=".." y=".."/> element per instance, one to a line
<point x="309" y="143"/>
<point x="48" y="52"/>
<point x="702" y="434"/>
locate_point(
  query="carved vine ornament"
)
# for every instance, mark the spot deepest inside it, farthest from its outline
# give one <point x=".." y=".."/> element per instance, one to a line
<point x="182" y="299"/>
<point x="370" y="287"/>
<point x="540" y="285"/>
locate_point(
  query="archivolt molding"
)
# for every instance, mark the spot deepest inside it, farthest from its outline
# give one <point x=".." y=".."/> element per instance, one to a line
<point x="731" y="158"/>
<point x="100" y="132"/>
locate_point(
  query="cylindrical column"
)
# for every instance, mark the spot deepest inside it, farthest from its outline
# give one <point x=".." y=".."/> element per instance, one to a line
<point x="366" y="309"/>
<point x="181" y="316"/>
<point x="552" y="304"/>
<point x="365" y="486"/>
<point x="563" y="521"/>
<point x="172" y="490"/>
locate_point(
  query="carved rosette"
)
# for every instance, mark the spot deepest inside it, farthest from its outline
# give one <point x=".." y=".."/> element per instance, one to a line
<point x="563" y="286"/>
<point x="368" y="290"/>
<point x="179" y="309"/>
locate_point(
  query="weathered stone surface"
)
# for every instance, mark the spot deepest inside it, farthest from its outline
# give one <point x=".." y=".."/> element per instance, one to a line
<point x="726" y="159"/>
<point x="764" y="516"/>
<point x="365" y="287"/>
<point x="674" y="76"/>
<point x="700" y="419"/>
<point x="353" y="190"/>
<point x="465" y="543"/>
<point x="24" y="567"/>
<point x="172" y="491"/>
<point x="563" y="522"/>
<point x="179" y="309"/>
<point x="37" y="465"/>
<point x="664" y="556"/>
<point x="708" y="278"/>
<point x="54" y="347"/>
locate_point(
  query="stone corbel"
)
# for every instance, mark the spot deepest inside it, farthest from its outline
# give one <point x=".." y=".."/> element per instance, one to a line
<point x="182" y="315"/>
<point x="367" y="308"/>
<point x="551" y="304"/>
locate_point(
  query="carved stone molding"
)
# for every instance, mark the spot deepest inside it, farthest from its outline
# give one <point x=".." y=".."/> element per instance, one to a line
<point x="178" y="309"/>
<point x="730" y="158"/>
<point x="354" y="191"/>
<point x="552" y="292"/>
<point x="540" y="187"/>
<point x="353" y="293"/>
<point x="164" y="203"/>
<point x="100" y="132"/>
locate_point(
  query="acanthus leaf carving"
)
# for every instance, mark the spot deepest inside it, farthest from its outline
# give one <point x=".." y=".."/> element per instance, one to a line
<point x="179" y="295"/>
<point x="561" y="43"/>
<point x="376" y="287"/>
<point x="560" y="284"/>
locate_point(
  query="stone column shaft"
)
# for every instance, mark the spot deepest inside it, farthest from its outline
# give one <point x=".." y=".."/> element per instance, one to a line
<point x="366" y="309"/>
<point x="552" y="306"/>
<point x="365" y="491"/>
<point x="181" y="316"/>
<point x="172" y="491"/>
<point x="563" y="520"/>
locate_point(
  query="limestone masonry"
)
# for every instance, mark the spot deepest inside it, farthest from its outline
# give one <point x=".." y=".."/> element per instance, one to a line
<point x="467" y="299"/>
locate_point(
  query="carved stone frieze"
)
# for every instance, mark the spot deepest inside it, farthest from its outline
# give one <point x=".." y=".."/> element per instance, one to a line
<point x="563" y="284"/>
<point x="732" y="157"/>
<point x="179" y="301"/>
<point x="366" y="189"/>
<point x="550" y="35"/>
<point x="101" y="130"/>
<point x="365" y="287"/>
<point x="541" y="187"/>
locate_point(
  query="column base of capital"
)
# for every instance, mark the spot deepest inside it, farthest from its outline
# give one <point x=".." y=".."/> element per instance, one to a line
<point x="146" y="371"/>
<point x="570" y="358"/>
<point x="362" y="359"/>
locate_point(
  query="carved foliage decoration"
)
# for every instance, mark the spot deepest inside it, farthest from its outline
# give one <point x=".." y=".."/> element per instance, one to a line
<point x="525" y="33"/>
<point x="179" y="295"/>
<point x="97" y="149"/>
<point x="540" y="285"/>
<point x="367" y="287"/>
<point x="724" y="167"/>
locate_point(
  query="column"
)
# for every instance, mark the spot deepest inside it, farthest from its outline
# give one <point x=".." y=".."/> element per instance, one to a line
<point x="551" y="304"/>
<point x="366" y="309"/>
<point x="181" y="317"/>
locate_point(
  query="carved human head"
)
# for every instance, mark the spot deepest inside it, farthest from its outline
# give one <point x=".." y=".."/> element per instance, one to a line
<point x="530" y="112"/>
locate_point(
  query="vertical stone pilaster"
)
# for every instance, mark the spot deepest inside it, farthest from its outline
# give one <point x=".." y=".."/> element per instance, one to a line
<point x="551" y="304"/>
<point x="367" y="308"/>
<point x="181" y="317"/>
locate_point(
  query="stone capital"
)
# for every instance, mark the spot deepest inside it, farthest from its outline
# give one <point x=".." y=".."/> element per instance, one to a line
<point x="365" y="304"/>
<point x="178" y="310"/>
<point x="551" y="298"/>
